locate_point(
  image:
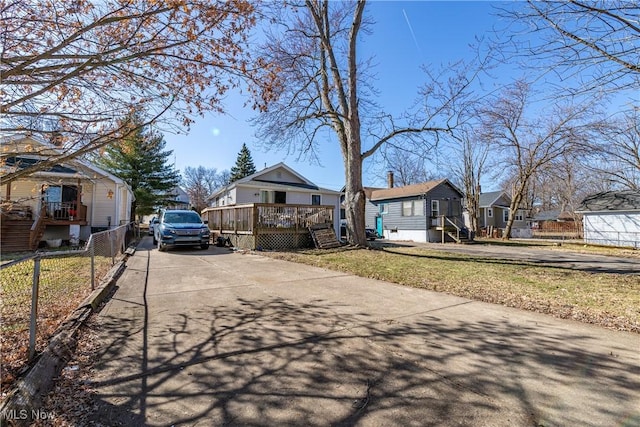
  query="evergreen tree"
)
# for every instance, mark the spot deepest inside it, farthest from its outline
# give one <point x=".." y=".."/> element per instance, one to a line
<point x="244" y="165"/>
<point x="141" y="161"/>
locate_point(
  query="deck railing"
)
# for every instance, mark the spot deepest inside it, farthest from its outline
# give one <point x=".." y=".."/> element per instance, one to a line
<point x="267" y="217"/>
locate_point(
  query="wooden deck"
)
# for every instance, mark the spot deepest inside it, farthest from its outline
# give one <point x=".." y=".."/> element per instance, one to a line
<point x="267" y="225"/>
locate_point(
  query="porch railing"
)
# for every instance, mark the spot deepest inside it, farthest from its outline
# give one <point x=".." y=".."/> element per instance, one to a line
<point x="266" y="217"/>
<point x="65" y="211"/>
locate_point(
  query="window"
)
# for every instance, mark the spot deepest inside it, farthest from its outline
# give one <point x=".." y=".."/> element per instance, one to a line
<point x="267" y="196"/>
<point x="505" y="215"/>
<point x="383" y="208"/>
<point x="413" y="208"/>
<point x="435" y="208"/>
<point x="280" y="197"/>
<point x="490" y="212"/>
<point x="519" y="216"/>
<point x="316" y="199"/>
<point x="407" y="208"/>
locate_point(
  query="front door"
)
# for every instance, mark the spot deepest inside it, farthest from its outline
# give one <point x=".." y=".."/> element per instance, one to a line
<point x="379" y="226"/>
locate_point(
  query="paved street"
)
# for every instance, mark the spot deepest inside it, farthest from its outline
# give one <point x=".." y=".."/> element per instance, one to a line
<point x="545" y="255"/>
<point x="214" y="337"/>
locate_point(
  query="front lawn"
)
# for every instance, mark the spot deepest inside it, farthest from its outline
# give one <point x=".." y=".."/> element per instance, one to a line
<point x="609" y="300"/>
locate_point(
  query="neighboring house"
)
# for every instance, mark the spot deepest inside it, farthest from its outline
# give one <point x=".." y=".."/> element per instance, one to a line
<point x="276" y="199"/>
<point x="180" y="200"/>
<point x="612" y="218"/>
<point x="493" y="214"/>
<point x="425" y="212"/>
<point x="67" y="201"/>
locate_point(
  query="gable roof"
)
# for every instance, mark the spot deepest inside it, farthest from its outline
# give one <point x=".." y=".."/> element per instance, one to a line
<point x="65" y="168"/>
<point x="489" y="199"/>
<point x="25" y="162"/>
<point x="410" y="190"/>
<point x="256" y="176"/>
<point x="611" y="201"/>
<point x="260" y="180"/>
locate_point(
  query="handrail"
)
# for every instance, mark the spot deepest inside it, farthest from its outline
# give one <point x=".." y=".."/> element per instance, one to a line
<point x="456" y="227"/>
<point x="37" y="228"/>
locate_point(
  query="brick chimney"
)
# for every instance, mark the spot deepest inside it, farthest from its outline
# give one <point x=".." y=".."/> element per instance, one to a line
<point x="390" y="179"/>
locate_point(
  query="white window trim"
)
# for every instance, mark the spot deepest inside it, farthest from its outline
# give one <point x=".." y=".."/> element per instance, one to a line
<point x="436" y="204"/>
<point x="505" y="215"/>
<point x="402" y="207"/>
<point x="490" y="212"/>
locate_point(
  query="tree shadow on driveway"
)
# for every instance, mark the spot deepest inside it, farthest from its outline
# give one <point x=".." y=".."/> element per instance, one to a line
<point x="269" y="361"/>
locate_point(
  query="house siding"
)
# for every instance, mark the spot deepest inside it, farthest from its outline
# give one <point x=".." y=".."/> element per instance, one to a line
<point x="371" y="211"/>
<point x="615" y="229"/>
<point x="281" y="175"/>
<point x="416" y="227"/>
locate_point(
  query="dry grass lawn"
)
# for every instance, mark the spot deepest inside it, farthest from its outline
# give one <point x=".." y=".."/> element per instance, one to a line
<point x="609" y="300"/>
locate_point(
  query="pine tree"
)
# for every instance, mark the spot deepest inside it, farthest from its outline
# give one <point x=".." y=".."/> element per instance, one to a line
<point x="244" y="165"/>
<point x="141" y="161"/>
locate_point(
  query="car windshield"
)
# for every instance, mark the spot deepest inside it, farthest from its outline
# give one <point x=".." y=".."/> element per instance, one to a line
<point x="182" y="217"/>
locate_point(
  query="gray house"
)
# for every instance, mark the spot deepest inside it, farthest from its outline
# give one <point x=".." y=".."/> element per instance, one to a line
<point x="494" y="214"/>
<point x="425" y="212"/>
<point x="612" y="218"/>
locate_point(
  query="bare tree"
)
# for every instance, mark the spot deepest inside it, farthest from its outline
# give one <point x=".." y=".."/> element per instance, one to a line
<point x="407" y="167"/>
<point x="323" y="85"/>
<point x="530" y="145"/>
<point x="84" y="65"/>
<point x="595" y="42"/>
<point x="200" y="183"/>
<point x="468" y="166"/>
<point x="619" y="152"/>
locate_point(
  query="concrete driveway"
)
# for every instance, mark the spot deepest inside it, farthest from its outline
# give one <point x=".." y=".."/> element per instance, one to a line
<point x="208" y="338"/>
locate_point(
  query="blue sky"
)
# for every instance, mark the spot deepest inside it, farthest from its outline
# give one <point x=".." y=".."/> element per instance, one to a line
<point x="405" y="36"/>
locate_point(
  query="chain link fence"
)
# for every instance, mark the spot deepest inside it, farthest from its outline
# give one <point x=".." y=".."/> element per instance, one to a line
<point x="38" y="292"/>
<point x="620" y="239"/>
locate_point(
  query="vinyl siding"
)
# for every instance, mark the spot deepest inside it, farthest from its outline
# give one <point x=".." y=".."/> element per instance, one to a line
<point x="399" y="227"/>
<point x="280" y="175"/>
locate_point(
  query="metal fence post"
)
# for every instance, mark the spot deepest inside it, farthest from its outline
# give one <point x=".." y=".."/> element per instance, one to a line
<point x="92" y="254"/>
<point x="34" y="308"/>
<point x="113" y="256"/>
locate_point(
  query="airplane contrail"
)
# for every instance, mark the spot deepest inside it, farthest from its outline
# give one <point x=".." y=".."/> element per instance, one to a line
<point x="406" y="18"/>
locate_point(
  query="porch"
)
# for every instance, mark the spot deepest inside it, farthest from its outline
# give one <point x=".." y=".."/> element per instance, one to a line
<point x="267" y="225"/>
<point x="22" y="229"/>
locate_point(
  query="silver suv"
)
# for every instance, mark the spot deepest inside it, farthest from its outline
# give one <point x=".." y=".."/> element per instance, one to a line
<point x="180" y="228"/>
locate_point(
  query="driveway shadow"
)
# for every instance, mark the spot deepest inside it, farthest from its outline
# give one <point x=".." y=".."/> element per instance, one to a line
<point x="268" y="361"/>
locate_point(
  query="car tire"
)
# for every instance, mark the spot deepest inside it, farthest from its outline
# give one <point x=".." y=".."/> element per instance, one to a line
<point x="204" y="246"/>
<point x="161" y="246"/>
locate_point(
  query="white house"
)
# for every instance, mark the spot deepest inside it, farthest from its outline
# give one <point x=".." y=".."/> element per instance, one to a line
<point x="278" y="184"/>
<point x="71" y="199"/>
<point x="275" y="208"/>
<point x="612" y="218"/>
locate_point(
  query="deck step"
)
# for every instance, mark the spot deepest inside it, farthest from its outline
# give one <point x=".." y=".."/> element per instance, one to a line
<point x="15" y="235"/>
